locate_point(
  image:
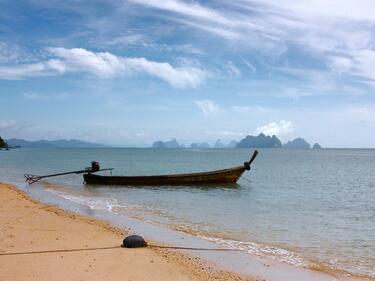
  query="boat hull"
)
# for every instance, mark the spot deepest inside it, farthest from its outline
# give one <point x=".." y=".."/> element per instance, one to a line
<point x="214" y="177"/>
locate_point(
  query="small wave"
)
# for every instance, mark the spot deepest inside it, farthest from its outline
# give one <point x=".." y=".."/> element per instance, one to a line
<point x="94" y="203"/>
<point x="334" y="267"/>
<point x="261" y="250"/>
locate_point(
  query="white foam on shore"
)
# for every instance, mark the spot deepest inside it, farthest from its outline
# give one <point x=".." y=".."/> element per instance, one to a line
<point x="260" y="250"/>
<point x="289" y="257"/>
<point x="94" y="203"/>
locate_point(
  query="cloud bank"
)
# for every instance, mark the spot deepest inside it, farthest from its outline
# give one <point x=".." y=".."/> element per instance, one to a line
<point x="280" y="128"/>
<point x="105" y="65"/>
<point x="338" y="35"/>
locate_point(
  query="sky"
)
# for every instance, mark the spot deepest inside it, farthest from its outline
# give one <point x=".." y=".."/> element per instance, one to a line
<point x="127" y="73"/>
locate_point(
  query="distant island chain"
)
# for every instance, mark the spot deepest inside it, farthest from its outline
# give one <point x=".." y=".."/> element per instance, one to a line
<point x="260" y="141"/>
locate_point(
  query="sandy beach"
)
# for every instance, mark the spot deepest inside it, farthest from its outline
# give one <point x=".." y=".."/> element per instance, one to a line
<point x="28" y="226"/>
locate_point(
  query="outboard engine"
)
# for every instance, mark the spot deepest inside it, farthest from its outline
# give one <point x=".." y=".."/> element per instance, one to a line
<point x="95" y="166"/>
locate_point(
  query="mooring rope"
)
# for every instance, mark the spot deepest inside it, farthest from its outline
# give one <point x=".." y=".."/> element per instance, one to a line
<point x="114" y="247"/>
<point x="58" y="251"/>
<point x="194" y="249"/>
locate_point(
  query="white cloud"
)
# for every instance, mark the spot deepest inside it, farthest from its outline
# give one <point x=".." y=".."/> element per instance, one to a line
<point x="102" y="65"/>
<point x="231" y="69"/>
<point x="105" y="65"/>
<point x="280" y="128"/>
<point x="13" y="53"/>
<point x="215" y="30"/>
<point x="346" y="41"/>
<point x="192" y="10"/>
<point x="178" y="77"/>
<point x="293" y="93"/>
<point x="341" y="64"/>
<point x="208" y="107"/>
<point x="7" y="124"/>
<point x="246" y="109"/>
<point x="250" y="66"/>
<point x="21" y="71"/>
<point x="351" y="9"/>
<point x="229" y="25"/>
<point x="360" y="63"/>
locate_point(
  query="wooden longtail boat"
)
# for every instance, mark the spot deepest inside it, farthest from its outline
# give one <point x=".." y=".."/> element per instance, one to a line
<point x="230" y="175"/>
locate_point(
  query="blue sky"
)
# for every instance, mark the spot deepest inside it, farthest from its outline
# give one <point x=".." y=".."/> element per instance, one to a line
<point x="131" y="72"/>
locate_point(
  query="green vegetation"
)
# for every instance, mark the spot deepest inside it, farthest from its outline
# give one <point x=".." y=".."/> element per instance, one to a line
<point x="3" y="144"/>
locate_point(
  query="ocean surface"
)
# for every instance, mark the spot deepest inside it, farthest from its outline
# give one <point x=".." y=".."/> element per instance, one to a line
<point x="309" y="208"/>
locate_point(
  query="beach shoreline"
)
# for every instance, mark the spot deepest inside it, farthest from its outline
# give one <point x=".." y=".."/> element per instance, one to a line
<point x="28" y="225"/>
<point x="180" y="265"/>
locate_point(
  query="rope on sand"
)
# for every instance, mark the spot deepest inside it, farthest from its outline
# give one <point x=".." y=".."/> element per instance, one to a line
<point x="132" y="241"/>
<point x="58" y="251"/>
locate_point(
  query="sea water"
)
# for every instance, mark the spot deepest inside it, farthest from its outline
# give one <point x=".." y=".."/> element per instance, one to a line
<point x="310" y="208"/>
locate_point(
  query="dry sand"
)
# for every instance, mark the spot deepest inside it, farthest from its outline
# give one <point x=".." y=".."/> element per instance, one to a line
<point x="27" y="225"/>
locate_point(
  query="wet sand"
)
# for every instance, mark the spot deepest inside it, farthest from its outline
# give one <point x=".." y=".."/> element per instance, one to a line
<point x="27" y="226"/>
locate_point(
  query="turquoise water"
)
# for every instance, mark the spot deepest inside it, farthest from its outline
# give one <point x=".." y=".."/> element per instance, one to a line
<point x="311" y="208"/>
